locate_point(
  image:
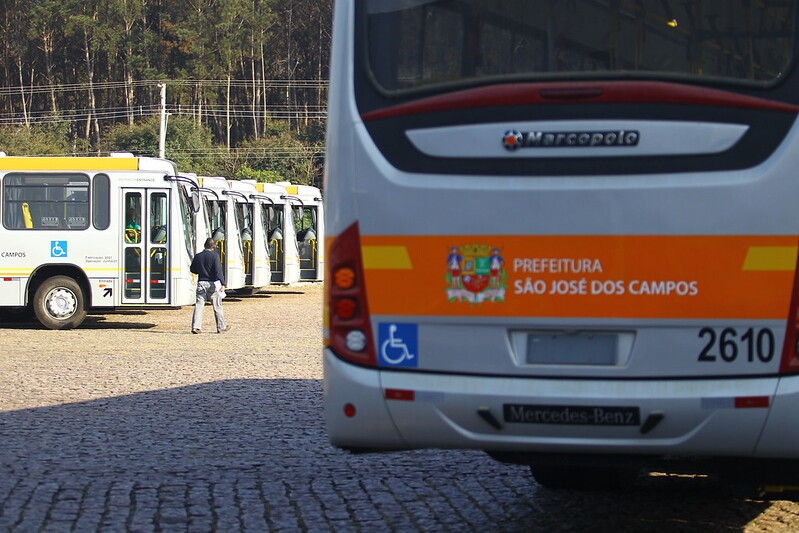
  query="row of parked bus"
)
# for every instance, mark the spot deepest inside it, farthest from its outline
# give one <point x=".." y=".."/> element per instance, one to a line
<point x="264" y="232"/>
<point x="94" y="234"/>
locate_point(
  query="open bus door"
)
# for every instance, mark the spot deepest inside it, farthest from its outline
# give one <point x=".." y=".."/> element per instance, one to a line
<point x="272" y="220"/>
<point x="309" y="223"/>
<point x="249" y="212"/>
<point x="145" y="246"/>
<point x="306" y="220"/>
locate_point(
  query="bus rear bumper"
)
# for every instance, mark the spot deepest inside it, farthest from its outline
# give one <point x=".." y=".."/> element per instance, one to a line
<point x="718" y="417"/>
<point x="356" y="415"/>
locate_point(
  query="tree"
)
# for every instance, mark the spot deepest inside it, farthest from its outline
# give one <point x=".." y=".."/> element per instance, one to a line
<point x="36" y="140"/>
<point x="281" y="153"/>
<point x="187" y="144"/>
<point x="233" y="67"/>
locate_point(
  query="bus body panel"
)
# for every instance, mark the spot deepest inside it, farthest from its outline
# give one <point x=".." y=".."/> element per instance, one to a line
<point x="780" y="433"/>
<point x="11" y="291"/>
<point x="440" y="410"/>
<point x="698" y="247"/>
<point x="361" y="388"/>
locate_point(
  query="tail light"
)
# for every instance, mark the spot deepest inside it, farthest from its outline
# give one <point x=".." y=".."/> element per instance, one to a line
<point x="790" y="350"/>
<point x="349" y="328"/>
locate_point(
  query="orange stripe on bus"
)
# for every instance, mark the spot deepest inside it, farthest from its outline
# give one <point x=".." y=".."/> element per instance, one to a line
<point x="657" y="277"/>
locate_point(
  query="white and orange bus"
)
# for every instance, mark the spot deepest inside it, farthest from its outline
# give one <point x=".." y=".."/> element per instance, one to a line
<point x="565" y="233"/>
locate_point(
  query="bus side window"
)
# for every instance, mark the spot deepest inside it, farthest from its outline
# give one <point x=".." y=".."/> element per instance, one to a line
<point x="132" y="231"/>
<point x="101" y="201"/>
<point x="158" y="218"/>
<point x="46" y="201"/>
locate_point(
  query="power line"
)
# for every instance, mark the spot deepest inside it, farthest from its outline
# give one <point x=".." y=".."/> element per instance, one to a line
<point x="204" y="83"/>
<point x="276" y="112"/>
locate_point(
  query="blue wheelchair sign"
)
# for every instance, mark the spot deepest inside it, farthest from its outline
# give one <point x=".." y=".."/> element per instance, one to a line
<point x="58" y="248"/>
<point x="398" y="345"/>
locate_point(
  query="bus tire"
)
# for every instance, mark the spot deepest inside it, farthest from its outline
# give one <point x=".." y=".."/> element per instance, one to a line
<point x="597" y="478"/>
<point x="59" y="303"/>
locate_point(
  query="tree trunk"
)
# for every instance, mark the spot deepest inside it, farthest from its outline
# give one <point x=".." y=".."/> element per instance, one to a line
<point x="47" y="47"/>
<point x="22" y="93"/>
<point x="265" y="120"/>
<point x="92" y="124"/>
<point x="256" y="88"/>
<point x="227" y="113"/>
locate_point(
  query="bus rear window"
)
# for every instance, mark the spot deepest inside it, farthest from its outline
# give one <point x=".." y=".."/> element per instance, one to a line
<point x="416" y="43"/>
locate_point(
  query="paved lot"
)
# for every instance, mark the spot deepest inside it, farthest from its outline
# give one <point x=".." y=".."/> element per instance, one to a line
<point x="131" y="423"/>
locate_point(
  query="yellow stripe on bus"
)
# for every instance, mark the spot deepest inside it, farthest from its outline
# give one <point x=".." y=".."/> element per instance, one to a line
<point x="69" y="163"/>
<point x="386" y="258"/>
<point x="771" y="258"/>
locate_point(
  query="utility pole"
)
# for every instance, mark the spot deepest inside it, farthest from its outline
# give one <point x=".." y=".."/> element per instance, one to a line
<point x="162" y="123"/>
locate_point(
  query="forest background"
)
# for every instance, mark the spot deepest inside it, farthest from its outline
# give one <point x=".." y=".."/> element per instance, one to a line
<point x="246" y="82"/>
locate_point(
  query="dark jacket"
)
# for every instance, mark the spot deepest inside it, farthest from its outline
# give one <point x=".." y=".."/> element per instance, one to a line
<point x="208" y="267"/>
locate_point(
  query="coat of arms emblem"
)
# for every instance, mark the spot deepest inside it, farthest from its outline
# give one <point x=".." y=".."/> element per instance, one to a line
<point x="475" y="274"/>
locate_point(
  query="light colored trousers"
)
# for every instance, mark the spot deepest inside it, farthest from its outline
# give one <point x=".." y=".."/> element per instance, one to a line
<point x="205" y="291"/>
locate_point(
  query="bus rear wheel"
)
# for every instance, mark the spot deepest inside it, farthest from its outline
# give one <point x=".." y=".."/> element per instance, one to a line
<point x="58" y="303"/>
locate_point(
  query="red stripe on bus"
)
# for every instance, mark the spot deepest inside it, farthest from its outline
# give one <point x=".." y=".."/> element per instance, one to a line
<point x="650" y="92"/>
<point x="749" y="402"/>
<point x="400" y="394"/>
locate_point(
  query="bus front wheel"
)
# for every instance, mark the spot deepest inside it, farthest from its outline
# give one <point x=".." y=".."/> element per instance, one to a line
<point x="58" y="303"/>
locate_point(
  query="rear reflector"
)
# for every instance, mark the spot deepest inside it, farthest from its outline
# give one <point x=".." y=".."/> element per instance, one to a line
<point x="400" y="394"/>
<point x="751" y="402"/>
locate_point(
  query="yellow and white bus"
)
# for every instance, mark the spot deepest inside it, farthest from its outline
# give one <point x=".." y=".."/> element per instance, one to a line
<point x="564" y="232"/>
<point x="309" y="224"/>
<point x="221" y="209"/>
<point x="249" y="206"/>
<point x="278" y="221"/>
<point x="91" y="234"/>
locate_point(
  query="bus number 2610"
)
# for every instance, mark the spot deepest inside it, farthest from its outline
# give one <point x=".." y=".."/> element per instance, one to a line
<point x="728" y="345"/>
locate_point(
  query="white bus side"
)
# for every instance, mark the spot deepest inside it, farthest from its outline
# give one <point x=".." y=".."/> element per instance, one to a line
<point x="95" y="234"/>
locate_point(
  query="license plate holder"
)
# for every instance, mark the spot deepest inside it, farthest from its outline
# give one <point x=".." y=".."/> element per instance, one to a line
<point x="572" y="415"/>
<point x="582" y="348"/>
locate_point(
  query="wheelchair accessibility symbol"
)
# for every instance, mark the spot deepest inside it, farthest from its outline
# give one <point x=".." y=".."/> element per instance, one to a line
<point x="399" y="345"/>
<point x="58" y="248"/>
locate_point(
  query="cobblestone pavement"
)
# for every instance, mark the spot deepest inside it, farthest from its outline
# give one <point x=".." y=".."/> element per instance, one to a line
<point x="131" y="423"/>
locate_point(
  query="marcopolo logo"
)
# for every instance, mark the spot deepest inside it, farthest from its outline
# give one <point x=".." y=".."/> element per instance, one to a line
<point x="513" y="139"/>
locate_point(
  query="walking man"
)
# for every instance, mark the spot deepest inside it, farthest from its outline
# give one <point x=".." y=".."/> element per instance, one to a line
<point x="210" y="284"/>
